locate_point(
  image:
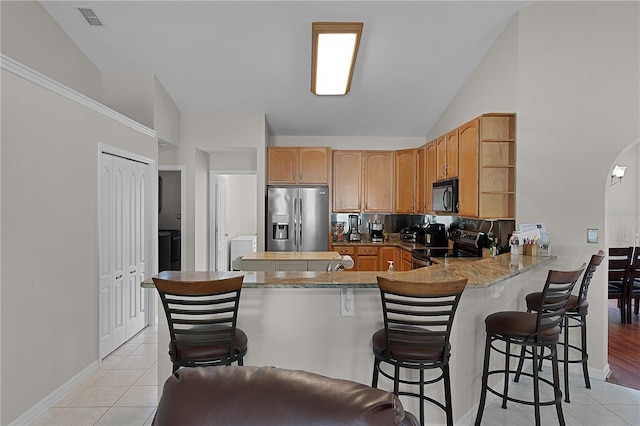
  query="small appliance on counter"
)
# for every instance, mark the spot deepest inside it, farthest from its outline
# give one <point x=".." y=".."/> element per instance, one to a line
<point x="354" y="222"/>
<point x="375" y="229"/>
<point x="435" y="235"/>
<point x="412" y="234"/>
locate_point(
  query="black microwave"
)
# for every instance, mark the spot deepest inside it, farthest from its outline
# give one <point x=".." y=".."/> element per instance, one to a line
<point x="445" y="196"/>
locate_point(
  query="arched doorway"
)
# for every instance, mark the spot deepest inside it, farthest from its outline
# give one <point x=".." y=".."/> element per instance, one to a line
<point x="622" y="227"/>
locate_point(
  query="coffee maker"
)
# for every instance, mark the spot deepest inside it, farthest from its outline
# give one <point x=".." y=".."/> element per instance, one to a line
<point x="435" y="235"/>
<point x="375" y="229"/>
<point x="354" y="222"/>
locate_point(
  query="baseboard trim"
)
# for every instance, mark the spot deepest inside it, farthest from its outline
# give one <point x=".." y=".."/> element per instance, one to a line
<point x="37" y="410"/>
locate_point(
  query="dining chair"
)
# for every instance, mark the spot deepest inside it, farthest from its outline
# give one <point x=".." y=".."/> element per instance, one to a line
<point x="620" y="262"/>
<point x="634" y="284"/>
<point x="202" y="318"/>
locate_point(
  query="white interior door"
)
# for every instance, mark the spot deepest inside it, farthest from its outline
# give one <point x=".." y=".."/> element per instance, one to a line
<point x="124" y="205"/>
<point x="222" y="258"/>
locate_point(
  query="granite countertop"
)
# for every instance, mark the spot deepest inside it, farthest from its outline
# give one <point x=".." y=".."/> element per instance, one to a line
<point x="481" y="273"/>
<point x="291" y="255"/>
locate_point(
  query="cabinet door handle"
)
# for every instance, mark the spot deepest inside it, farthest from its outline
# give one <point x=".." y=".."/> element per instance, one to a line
<point x="118" y="277"/>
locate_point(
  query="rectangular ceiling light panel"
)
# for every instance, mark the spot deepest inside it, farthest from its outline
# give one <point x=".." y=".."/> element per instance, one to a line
<point x="334" y="51"/>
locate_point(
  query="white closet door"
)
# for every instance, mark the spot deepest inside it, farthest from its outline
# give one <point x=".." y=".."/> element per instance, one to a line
<point x="124" y="198"/>
<point x="105" y="264"/>
<point x="137" y="184"/>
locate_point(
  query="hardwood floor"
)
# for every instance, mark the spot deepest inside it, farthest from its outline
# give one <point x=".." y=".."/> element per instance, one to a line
<point x="624" y="349"/>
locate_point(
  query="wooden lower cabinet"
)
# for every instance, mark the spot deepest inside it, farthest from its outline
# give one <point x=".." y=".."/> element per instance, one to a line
<point x="405" y="263"/>
<point x="386" y="254"/>
<point x="367" y="258"/>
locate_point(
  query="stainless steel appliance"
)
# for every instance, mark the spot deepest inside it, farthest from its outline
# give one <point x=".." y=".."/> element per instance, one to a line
<point x="376" y="231"/>
<point x="297" y="218"/>
<point x="354" y="223"/>
<point x="466" y="243"/>
<point x="445" y="196"/>
<point x="412" y="234"/>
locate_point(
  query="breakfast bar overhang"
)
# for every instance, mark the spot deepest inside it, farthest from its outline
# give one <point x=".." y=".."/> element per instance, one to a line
<point x="293" y="320"/>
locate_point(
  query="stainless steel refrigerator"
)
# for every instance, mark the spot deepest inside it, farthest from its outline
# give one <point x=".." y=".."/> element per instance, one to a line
<point x="297" y="218"/>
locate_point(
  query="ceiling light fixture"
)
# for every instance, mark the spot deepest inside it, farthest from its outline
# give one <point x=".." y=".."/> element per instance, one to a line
<point x="334" y="48"/>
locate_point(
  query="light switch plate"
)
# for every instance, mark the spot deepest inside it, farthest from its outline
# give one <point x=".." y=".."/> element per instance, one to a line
<point x="347" y="303"/>
<point x="592" y="235"/>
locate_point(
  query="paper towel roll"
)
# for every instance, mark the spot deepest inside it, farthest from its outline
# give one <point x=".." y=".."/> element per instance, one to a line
<point x="347" y="261"/>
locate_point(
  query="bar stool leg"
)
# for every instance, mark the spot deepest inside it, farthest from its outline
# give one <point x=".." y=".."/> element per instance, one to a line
<point x="556" y="385"/>
<point x="565" y="326"/>
<point x="585" y="354"/>
<point x="485" y="377"/>
<point x="447" y="394"/>
<point x="536" y="385"/>
<point x="421" y="396"/>
<point x="376" y="366"/>
<point x="505" y="391"/>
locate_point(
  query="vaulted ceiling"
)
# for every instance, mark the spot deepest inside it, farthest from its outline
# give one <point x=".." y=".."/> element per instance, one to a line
<point x="228" y="57"/>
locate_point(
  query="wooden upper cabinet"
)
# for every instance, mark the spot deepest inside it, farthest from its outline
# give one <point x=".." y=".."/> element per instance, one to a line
<point x="347" y="175"/>
<point x="377" y="180"/>
<point x="282" y="165"/>
<point x="468" y="184"/>
<point x="497" y="161"/>
<point x="430" y="172"/>
<point x="293" y="165"/>
<point x="447" y="155"/>
<point x="314" y="165"/>
<point x="405" y="180"/>
<point x="421" y="180"/>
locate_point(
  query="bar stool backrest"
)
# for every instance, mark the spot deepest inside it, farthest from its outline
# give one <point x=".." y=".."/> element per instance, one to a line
<point x="595" y="261"/>
<point x="201" y="314"/>
<point x="553" y="303"/>
<point x="418" y="317"/>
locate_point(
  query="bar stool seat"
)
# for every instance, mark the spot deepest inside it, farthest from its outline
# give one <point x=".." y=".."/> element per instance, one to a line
<point x="575" y="316"/>
<point x="532" y="332"/>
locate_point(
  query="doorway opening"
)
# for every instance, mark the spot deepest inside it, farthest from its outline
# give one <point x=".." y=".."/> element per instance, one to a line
<point x="171" y="217"/>
<point x="233" y="216"/>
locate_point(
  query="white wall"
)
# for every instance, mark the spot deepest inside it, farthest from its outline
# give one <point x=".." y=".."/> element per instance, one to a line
<point x="49" y="312"/>
<point x="200" y="135"/>
<point x="242" y="205"/>
<point x="32" y="37"/>
<point x="576" y="95"/>
<point x="130" y="94"/>
<point x="622" y="210"/>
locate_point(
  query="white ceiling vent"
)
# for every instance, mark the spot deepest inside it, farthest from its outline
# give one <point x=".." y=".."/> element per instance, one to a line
<point x="90" y="16"/>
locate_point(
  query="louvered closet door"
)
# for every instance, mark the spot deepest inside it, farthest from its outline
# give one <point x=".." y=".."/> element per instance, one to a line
<point x="124" y="198"/>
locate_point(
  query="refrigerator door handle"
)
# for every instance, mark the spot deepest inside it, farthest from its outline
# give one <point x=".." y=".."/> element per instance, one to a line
<point x="300" y="210"/>
<point x="295" y="223"/>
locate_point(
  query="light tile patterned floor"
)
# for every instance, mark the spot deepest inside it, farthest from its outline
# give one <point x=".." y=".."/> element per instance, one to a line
<point x="124" y="392"/>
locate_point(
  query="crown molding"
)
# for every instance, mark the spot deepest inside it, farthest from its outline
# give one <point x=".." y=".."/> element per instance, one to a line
<point x="33" y="76"/>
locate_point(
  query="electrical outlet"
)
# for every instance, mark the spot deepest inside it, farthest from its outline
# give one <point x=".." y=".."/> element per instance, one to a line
<point x="347" y="302"/>
<point x="178" y="216"/>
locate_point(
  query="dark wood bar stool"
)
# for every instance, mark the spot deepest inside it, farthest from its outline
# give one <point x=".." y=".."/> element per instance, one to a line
<point x="575" y="316"/>
<point x="418" y="317"/>
<point x="202" y="319"/>
<point x="532" y="331"/>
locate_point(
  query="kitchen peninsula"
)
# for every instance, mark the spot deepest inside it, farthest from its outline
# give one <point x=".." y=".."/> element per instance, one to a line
<point x="293" y="320"/>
